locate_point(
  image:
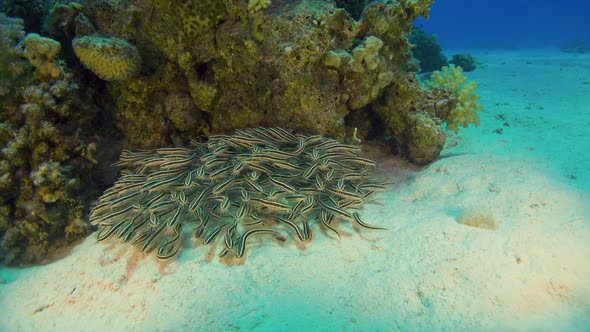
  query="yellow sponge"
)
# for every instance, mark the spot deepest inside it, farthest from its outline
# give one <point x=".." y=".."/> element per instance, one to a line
<point x="111" y="59"/>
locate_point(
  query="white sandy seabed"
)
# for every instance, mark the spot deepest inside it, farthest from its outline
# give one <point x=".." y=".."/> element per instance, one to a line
<point x="526" y="169"/>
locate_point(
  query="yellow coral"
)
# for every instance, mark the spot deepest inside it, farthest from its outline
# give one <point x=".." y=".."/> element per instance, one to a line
<point x="41" y="53"/>
<point x="366" y="55"/>
<point x="464" y="104"/>
<point x="203" y="94"/>
<point x="257" y="5"/>
<point x="111" y="59"/>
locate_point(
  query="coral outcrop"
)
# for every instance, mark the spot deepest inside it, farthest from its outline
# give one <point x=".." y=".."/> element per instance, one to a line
<point x="169" y="73"/>
<point x="306" y="60"/>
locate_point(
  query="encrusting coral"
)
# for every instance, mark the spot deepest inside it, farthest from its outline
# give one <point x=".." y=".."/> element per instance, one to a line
<point x="257" y="181"/>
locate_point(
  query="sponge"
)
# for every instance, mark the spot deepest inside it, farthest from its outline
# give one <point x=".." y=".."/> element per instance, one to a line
<point x="111" y="59"/>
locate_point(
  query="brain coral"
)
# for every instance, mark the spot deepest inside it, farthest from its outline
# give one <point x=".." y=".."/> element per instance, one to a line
<point x="111" y="59"/>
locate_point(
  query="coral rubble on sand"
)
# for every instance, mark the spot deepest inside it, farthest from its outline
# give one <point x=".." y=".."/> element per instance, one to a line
<point x="257" y="181"/>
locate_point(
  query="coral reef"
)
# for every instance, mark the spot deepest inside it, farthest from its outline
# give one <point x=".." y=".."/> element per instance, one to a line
<point x="67" y="21"/>
<point x="466" y="61"/>
<point x="46" y="166"/>
<point x="111" y="59"/>
<point x="245" y="69"/>
<point x="171" y="72"/>
<point x="47" y="160"/>
<point x="201" y="16"/>
<point x="362" y="65"/>
<point x="257" y="181"/>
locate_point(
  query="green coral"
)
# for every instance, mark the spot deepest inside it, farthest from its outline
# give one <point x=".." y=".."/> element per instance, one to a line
<point x="257" y="5"/>
<point x="462" y="106"/>
<point x="111" y="59"/>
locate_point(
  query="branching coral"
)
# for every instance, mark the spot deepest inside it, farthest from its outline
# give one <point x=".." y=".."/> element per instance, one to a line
<point x="13" y="68"/>
<point x="257" y="181"/>
<point x="45" y="162"/>
<point x="461" y="107"/>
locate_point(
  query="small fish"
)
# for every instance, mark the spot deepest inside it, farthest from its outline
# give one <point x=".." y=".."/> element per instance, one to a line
<point x="243" y="238"/>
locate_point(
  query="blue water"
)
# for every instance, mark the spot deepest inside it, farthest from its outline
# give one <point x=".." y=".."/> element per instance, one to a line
<point x="508" y="23"/>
